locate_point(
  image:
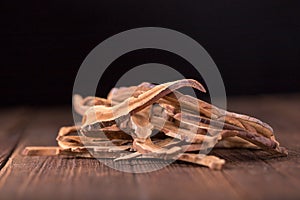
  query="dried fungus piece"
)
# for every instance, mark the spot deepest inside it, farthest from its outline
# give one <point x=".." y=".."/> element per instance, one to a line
<point x="121" y="127"/>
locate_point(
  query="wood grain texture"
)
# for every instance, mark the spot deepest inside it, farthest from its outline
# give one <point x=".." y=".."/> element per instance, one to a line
<point x="13" y="122"/>
<point x="248" y="174"/>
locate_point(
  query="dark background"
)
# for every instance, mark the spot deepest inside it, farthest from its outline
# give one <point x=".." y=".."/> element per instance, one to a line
<point x="254" y="43"/>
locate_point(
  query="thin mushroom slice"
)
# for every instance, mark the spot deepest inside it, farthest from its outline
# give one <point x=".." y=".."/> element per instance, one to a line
<point x="81" y="105"/>
<point x="135" y="104"/>
<point x="213" y="112"/>
<point x="212" y="162"/>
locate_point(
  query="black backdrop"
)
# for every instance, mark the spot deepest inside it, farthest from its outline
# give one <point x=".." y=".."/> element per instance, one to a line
<point x="254" y="43"/>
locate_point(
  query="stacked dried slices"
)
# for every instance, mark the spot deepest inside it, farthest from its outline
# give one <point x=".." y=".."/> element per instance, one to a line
<point x="157" y="121"/>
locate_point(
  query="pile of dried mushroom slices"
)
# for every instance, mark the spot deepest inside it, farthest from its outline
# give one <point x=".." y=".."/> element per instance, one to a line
<point x="157" y="121"/>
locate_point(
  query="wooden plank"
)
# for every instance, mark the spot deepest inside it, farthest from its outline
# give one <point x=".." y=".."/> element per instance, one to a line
<point x="247" y="174"/>
<point x="258" y="176"/>
<point x="185" y="181"/>
<point x="251" y="173"/>
<point x="13" y="122"/>
<point x="286" y="124"/>
<point x="40" y="177"/>
<point x="52" y="177"/>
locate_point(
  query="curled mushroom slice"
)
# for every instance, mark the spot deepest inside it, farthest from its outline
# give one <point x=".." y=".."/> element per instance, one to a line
<point x="214" y="112"/>
<point x="118" y="95"/>
<point x="81" y="105"/>
<point x="134" y="104"/>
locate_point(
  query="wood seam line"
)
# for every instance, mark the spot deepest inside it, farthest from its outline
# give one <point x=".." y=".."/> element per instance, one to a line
<point x="18" y="129"/>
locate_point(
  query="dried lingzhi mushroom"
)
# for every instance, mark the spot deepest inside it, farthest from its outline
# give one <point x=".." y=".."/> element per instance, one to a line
<point x="121" y="127"/>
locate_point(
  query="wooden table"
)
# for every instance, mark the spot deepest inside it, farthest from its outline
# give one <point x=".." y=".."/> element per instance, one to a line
<point x="247" y="174"/>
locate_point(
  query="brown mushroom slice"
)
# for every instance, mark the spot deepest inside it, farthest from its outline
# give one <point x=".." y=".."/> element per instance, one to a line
<point x="81" y="105"/>
<point x="134" y="104"/>
<point x="118" y="95"/>
<point x="170" y="129"/>
<point x="230" y="117"/>
<point x="257" y="139"/>
<point x="235" y="142"/>
<point x="212" y="162"/>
